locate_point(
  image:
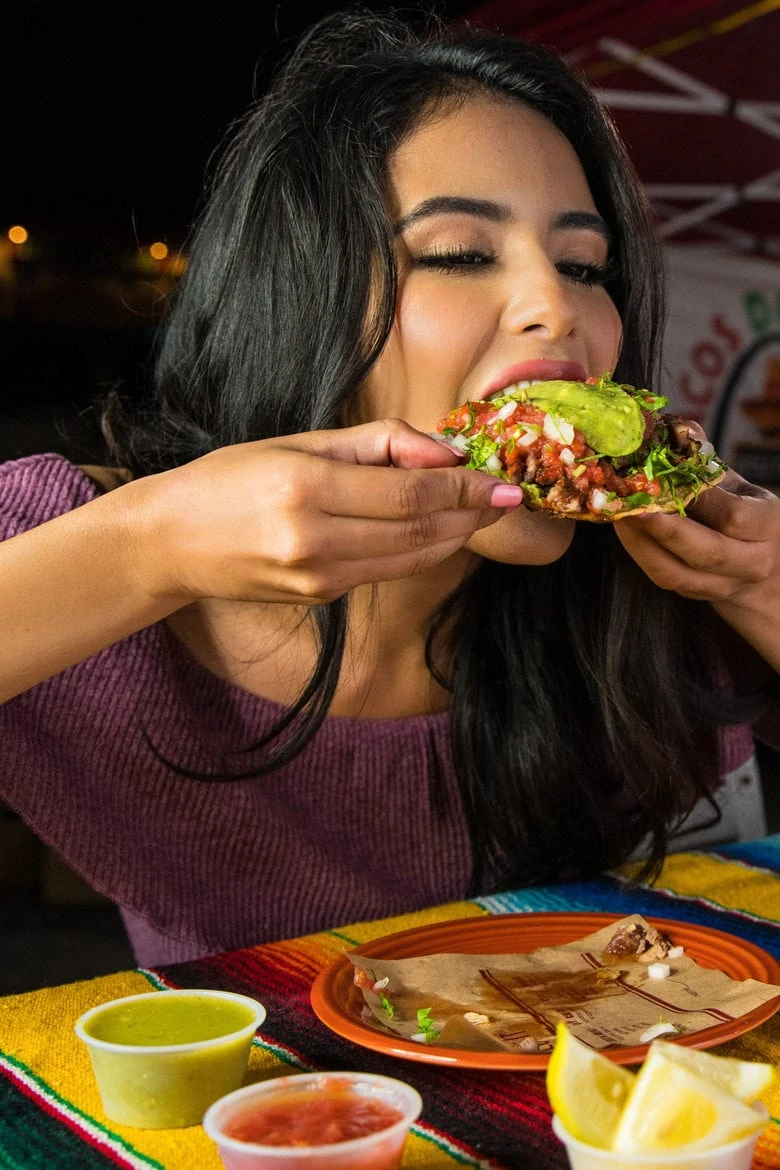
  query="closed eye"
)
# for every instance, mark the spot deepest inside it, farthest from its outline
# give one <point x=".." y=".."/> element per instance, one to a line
<point x="587" y="274"/>
<point x="454" y="259"/>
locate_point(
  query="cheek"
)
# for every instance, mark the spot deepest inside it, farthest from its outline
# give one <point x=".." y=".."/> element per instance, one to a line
<point x="423" y="331"/>
<point x="439" y="331"/>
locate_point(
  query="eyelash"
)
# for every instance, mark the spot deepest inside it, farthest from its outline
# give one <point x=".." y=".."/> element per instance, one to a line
<point x="455" y="259"/>
<point x="588" y="275"/>
<point x="463" y="260"/>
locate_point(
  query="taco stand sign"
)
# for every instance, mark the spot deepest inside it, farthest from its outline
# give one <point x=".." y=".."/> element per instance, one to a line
<point x="721" y="360"/>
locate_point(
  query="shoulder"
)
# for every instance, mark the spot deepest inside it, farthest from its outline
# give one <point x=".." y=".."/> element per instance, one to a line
<point x="38" y="488"/>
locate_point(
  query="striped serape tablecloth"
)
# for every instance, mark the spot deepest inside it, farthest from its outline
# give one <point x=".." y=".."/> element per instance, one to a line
<point x="50" y="1114"/>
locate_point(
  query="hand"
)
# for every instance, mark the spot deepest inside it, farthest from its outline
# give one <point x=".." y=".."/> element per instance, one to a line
<point x="726" y="551"/>
<point x="305" y="518"/>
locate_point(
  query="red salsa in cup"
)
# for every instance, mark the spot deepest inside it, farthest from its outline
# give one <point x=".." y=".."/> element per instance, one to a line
<point x="316" y="1117"/>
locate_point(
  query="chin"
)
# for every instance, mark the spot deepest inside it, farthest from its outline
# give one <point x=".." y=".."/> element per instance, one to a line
<point x="523" y="537"/>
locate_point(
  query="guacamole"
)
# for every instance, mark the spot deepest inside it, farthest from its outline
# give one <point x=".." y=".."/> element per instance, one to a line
<point x="610" y="418"/>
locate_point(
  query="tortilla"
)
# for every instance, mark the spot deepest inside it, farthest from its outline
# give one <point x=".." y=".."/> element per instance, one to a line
<point x="665" y="503"/>
<point x="541" y="436"/>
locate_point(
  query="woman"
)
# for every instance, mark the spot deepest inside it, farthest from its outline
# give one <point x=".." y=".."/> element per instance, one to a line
<point x="304" y="667"/>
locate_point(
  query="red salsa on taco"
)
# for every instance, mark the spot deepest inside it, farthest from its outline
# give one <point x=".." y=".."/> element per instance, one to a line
<point x="592" y="450"/>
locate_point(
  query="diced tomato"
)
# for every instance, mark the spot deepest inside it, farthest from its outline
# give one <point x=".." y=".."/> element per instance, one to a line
<point x="640" y="483"/>
<point x="458" y="420"/>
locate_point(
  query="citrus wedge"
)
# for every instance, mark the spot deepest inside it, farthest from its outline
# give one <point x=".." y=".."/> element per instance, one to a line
<point x="586" y="1090"/>
<point x="743" y="1079"/>
<point x="672" y="1108"/>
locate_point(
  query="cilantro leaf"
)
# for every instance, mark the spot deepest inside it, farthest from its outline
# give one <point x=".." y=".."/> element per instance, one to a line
<point x="425" y="1025"/>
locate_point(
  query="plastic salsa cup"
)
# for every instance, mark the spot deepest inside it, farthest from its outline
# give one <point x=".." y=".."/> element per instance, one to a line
<point x="161" y="1058"/>
<point x="736" y="1155"/>
<point x="315" y="1121"/>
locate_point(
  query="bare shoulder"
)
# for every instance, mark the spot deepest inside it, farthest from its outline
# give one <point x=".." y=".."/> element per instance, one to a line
<point x="106" y="478"/>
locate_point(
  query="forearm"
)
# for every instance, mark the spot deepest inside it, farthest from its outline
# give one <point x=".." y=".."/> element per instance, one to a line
<point x="77" y="584"/>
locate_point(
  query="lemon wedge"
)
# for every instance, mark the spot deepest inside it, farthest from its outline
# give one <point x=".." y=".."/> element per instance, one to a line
<point x="670" y="1107"/>
<point x="586" y="1090"/>
<point x="743" y="1079"/>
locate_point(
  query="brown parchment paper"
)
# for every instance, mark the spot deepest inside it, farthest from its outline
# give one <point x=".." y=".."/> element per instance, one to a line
<point x="606" y="1000"/>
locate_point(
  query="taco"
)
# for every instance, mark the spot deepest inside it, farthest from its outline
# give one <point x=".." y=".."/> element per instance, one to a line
<point x="592" y="450"/>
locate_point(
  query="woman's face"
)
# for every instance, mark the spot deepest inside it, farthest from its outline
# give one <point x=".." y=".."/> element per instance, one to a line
<point x="501" y="260"/>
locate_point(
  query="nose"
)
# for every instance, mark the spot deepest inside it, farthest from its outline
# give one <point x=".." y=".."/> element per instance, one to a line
<point x="539" y="298"/>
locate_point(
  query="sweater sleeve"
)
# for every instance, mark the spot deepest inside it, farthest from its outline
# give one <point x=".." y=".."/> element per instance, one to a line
<point x="38" y="488"/>
<point x="751" y="675"/>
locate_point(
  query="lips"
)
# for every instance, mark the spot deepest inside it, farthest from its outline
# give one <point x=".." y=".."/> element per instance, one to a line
<point x="541" y="370"/>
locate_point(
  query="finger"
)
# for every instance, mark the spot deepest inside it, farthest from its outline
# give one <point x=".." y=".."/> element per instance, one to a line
<point x="346" y="539"/>
<point x="388" y="443"/>
<point x="347" y="575"/>
<point x="680" y="554"/>
<point x="736" y="508"/>
<point x="734" y="516"/>
<point x="389" y="493"/>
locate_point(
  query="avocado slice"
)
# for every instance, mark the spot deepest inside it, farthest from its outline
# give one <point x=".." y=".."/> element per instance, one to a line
<point x="610" y="419"/>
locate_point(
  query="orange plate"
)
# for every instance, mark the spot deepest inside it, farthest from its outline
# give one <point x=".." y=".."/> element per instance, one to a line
<point x="337" y="1002"/>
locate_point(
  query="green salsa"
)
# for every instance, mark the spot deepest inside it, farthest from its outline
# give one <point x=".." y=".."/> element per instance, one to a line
<point x="163" y="1020"/>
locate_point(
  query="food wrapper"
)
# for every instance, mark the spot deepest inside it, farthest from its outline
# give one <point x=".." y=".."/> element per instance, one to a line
<point x="512" y="1003"/>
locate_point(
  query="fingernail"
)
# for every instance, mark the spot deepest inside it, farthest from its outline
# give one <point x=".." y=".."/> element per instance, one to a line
<point x="445" y="442"/>
<point x="506" y="495"/>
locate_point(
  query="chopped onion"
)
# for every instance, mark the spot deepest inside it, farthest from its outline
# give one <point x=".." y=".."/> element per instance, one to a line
<point x="706" y="449"/>
<point x="598" y="499"/>
<point x="566" y="456"/>
<point x="713" y="465"/>
<point x="508" y="409"/>
<point x="493" y="463"/>
<point x="527" y="436"/>
<point x="459" y="441"/>
<point x="675" y="952"/>
<point x="656" y="1030"/>
<point x="381" y="984"/>
<point x="659" y="970"/>
<point x="558" y="429"/>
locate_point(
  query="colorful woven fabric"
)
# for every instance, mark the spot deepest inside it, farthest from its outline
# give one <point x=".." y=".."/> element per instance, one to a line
<point x="50" y="1113"/>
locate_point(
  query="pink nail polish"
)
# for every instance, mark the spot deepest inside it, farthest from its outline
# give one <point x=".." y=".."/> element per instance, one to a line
<point x="506" y="495"/>
<point x="443" y="441"/>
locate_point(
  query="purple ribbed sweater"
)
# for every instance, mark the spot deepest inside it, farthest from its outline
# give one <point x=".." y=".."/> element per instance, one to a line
<point x="345" y="832"/>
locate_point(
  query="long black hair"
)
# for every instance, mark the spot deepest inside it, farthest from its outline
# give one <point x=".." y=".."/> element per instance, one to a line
<point x="579" y="718"/>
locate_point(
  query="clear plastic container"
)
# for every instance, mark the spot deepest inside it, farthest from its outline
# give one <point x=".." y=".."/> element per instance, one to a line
<point x="297" y="1096"/>
<point x="161" y="1058"/>
<point x="734" y="1156"/>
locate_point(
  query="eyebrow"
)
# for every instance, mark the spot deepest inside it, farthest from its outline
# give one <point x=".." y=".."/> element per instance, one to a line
<point x="454" y="205"/>
<point x="496" y="213"/>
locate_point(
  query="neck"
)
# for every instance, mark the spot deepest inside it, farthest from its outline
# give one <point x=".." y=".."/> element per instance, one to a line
<point x="384" y="672"/>
<point x="271" y="649"/>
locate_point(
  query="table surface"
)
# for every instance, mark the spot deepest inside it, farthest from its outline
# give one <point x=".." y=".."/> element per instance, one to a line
<point x="50" y="1114"/>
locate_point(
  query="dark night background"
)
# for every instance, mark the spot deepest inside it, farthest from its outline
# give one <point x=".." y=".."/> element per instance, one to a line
<point x="113" y="114"/>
